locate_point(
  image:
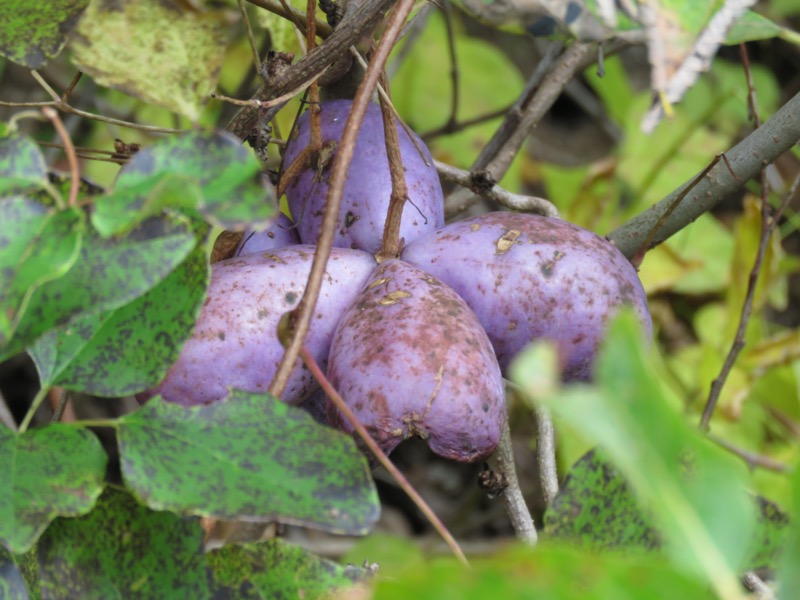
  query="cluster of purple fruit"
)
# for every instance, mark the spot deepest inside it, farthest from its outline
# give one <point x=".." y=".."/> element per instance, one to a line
<point x="416" y="346"/>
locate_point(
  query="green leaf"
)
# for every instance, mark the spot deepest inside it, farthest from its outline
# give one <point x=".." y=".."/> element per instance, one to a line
<point x="773" y="525"/>
<point x="22" y="165"/>
<point x="751" y="27"/>
<point x="47" y="472"/>
<point x="231" y="193"/>
<point x="156" y="50"/>
<point x="544" y="573"/>
<point x="128" y="349"/>
<point x="693" y="490"/>
<point x="35" y="31"/>
<point x="12" y="584"/>
<point x="788" y="573"/>
<point x="42" y="245"/>
<point x="596" y="507"/>
<point x="107" y="274"/>
<point x="249" y="457"/>
<point x="123" y="550"/>
<point x="276" y="569"/>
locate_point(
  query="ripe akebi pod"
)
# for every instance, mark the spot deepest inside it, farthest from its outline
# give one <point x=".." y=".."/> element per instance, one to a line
<point x="410" y="359"/>
<point x="280" y="234"/>
<point x="529" y="277"/>
<point x="235" y="342"/>
<point x="368" y="188"/>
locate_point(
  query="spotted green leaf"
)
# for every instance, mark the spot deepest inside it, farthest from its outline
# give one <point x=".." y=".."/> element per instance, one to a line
<point x="106" y="274"/>
<point x="47" y="472"/>
<point x="21" y="163"/>
<point x="209" y="171"/>
<point x="42" y="245"/>
<point x="250" y="457"/>
<point x="692" y="489"/>
<point x="162" y="52"/>
<point x="123" y="550"/>
<point x="596" y="507"/>
<point x="128" y="349"/>
<point x="788" y="573"/>
<point x="276" y="569"/>
<point x="35" y="31"/>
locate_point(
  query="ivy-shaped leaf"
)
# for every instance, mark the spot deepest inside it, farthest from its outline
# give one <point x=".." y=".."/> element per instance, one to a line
<point x="108" y="273"/>
<point x="128" y="349"/>
<point x="209" y="171"/>
<point x="276" y="569"/>
<point x="47" y="472"/>
<point x="22" y="165"/>
<point x="123" y="550"/>
<point x="35" y="31"/>
<point x="249" y="457"/>
<point x="159" y="51"/>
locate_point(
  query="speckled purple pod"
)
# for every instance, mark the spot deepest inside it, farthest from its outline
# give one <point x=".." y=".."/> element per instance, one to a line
<point x="235" y="341"/>
<point x="280" y="234"/>
<point x="368" y="187"/>
<point x="529" y="277"/>
<point x="410" y="359"/>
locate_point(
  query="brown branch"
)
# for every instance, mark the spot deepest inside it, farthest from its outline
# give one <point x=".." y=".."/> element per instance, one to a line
<point x="341" y="163"/>
<point x="313" y="64"/>
<point x="752" y="459"/>
<point x="777" y="135"/>
<point x="456" y="126"/>
<point x="288" y="12"/>
<point x="379" y="454"/>
<point x="447" y="11"/>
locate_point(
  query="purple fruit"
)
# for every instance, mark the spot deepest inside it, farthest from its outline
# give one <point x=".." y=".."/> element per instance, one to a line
<point x="280" y="234"/>
<point x="529" y="277"/>
<point x="410" y="359"/>
<point x="235" y="343"/>
<point x="366" y="193"/>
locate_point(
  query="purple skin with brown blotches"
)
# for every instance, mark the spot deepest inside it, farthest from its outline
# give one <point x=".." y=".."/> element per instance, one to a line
<point x="368" y="188"/>
<point x="235" y="342"/>
<point x="280" y="234"/>
<point x="529" y="277"/>
<point x="410" y="358"/>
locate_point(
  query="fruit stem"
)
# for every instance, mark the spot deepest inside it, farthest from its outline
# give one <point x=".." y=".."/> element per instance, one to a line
<point x="513" y="499"/>
<point x="37" y="402"/>
<point x="376" y="450"/>
<point x="390" y="246"/>
<point x="341" y="164"/>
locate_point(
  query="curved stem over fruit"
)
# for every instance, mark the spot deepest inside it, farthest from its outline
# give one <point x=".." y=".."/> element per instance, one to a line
<point x="492" y="191"/>
<point x="777" y="135"/>
<point x="69" y="150"/>
<point x="341" y="163"/>
<point x="379" y="454"/>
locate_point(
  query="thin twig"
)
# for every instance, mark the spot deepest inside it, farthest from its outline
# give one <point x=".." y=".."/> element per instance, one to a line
<point x="516" y="507"/>
<point x="390" y="246"/>
<point x="296" y="16"/>
<point x="341" y="163"/>
<point x="250" y="37"/>
<point x="752" y="459"/>
<point x="68" y="92"/>
<point x="457" y="125"/>
<point x="767" y="226"/>
<point x="63" y="106"/>
<point x="546" y="454"/>
<point x="410" y="32"/>
<point x="753" y="583"/>
<point x="379" y="454"/>
<point x="447" y="11"/>
<point x="5" y="414"/>
<point x="494" y="192"/>
<point x="69" y="150"/>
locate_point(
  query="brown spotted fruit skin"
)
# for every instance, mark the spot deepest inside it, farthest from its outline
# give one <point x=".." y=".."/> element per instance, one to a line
<point x="235" y="342"/>
<point x="529" y="277"/>
<point x="365" y="199"/>
<point x="410" y="358"/>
